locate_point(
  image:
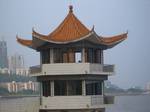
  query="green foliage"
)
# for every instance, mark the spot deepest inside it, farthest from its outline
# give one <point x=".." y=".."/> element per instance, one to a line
<point x="134" y="90"/>
<point x="113" y="90"/>
<point x="26" y="92"/>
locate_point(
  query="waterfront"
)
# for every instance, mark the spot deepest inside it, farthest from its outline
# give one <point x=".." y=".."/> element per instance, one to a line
<point x="19" y="104"/>
<point x="138" y="103"/>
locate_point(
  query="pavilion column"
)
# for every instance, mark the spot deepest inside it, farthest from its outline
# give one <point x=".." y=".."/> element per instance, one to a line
<point x="52" y="88"/>
<point x="40" y="58"/>
<point x="41" y="93"/>
<point x="83" y="55"/>
<point x="51" y="55"/>
<point x="71" y="55"/>
<point x="67" y="88"/>
<point x="83" y="88"/>
<point x="102" y="57"/>
<point x="103" y="84"/>
<point x="98" y="56"/>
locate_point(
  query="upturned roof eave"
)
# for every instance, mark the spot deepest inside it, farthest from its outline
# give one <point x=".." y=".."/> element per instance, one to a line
<point x="25" y="42"/>
<point x="92" y="37"/>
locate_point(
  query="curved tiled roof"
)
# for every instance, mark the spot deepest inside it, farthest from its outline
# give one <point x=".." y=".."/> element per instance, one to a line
<point x="72" y="30"/>
<point x="113" y="39"/>
<point x="24" y="42"/>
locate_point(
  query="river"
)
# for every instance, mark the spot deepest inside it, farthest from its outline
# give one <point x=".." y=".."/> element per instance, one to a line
<point x="137" y="103"/>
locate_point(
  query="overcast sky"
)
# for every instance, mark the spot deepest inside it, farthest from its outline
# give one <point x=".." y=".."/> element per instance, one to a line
<point x="110" y="17"/>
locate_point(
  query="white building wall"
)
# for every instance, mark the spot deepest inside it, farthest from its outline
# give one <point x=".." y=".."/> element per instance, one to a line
<point x="76" y="68"/>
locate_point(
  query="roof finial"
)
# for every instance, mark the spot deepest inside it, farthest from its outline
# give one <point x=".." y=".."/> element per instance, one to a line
<point x="127" y="31"/>
<point x="70" y="8"/>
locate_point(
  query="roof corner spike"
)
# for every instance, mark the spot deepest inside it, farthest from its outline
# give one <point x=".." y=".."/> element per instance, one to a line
<point x="32" y="29"/>
<point x="127" y="31"/>
<point x="93" y="28"/>
<point x="17" y="36"/>
<point x="70" y="8"/>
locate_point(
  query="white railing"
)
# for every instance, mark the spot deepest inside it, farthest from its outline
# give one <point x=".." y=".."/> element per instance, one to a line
<point x="72" y="69"/>
<point x="97" y="100"/>
<point x="74" y="102"/>
<point x="66" y="102"/>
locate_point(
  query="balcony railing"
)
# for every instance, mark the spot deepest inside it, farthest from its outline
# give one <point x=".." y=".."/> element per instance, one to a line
<point x="100" y="68"/>
<point x="108" y="68"/>
<point x="75" y="102"/>
<point x="72" y="68"/>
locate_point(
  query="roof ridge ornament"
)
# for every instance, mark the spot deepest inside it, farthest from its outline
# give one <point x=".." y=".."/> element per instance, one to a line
<point x="32" y="29"/>
<point x="127" y="31"/>
<point x="70" y="8"/>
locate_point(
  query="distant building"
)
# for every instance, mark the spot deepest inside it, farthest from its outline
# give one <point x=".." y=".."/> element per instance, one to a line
<point x="3" y="54"/>
<point x="22" y="71"/>
<point x="13" y="87"/>
<point x="4" y="71"/>
<point x="16" y="62"/>
<point x="19" y="86"/>
<point x="31" y="86"/>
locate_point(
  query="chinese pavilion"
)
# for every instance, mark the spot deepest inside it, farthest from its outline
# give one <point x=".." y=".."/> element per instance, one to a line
<point x="72" y="70"/>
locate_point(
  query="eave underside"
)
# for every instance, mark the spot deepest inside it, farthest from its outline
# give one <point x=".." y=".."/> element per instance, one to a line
<point x="75" y="77"/>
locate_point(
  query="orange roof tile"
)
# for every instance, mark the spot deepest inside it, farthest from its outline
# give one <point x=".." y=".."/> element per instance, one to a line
<point x="113" y="39"/>
<point x="24" y="42"/>
<point x="70" y="29"/>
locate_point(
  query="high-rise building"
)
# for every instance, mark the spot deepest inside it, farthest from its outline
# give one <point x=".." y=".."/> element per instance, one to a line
<point x="3" y="54"/>
<point x="72" y="70"/>
<point x="16" y="62"/>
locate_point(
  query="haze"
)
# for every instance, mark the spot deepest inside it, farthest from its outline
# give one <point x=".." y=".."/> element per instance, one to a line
<point x="110" y="17"/>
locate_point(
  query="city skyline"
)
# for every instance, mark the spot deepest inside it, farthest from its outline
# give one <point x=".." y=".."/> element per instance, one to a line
<point x="131" y="57"/>
<point x="3" y="54"/>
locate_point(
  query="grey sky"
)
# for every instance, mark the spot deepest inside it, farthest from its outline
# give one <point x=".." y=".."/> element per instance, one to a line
<point x="110" y="17"/>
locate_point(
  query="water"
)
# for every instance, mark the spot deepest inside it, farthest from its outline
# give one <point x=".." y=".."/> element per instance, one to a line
<point x="139" y="103"/>
<point x="19" y="104"/>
